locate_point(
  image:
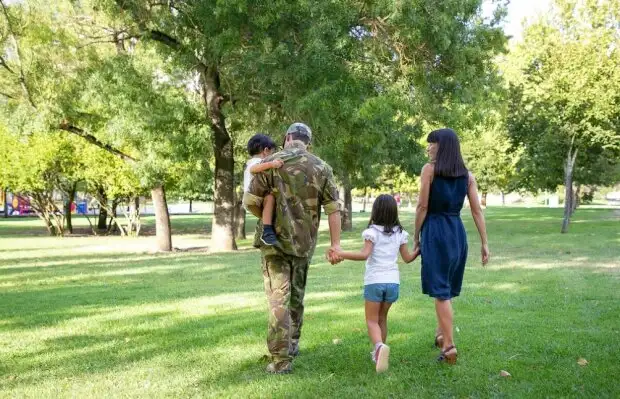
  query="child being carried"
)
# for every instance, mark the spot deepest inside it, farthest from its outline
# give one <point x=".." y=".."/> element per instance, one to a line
<point x="260" y="147"/>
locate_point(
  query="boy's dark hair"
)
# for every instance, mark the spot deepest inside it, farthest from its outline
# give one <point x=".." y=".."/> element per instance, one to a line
<point x="258" y="143"/>
<point x="449" y="161"/>
<point x="385" y="213"/>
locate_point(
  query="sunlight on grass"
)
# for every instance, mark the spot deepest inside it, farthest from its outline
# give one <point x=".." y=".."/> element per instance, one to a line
<point x="97" y="317"/>
<point x="325" y="295"/>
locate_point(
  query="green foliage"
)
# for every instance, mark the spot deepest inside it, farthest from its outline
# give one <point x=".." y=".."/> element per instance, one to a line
<point x="564" y="94"/>
<point x="362" y="75"/>
<point x="489" y="155"/>
<point x="37" y="163"/>
<point x="103" y="171"/>
<point x="121" y="94"/>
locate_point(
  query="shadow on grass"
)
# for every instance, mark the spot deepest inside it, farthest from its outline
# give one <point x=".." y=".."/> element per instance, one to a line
<point x="180" y="224"/>
<point x="140" y="338"/>
<point x="87" y="315"/>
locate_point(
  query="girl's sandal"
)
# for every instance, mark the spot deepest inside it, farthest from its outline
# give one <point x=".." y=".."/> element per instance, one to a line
<point x="439" y="340"/>
<point x="449" y="355"/>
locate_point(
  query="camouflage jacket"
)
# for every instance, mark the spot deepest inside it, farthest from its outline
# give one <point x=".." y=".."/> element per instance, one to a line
<point x="300" y="187"/>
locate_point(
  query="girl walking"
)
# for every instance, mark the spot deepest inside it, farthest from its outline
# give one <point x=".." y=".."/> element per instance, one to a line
<point x="384" y="239"/>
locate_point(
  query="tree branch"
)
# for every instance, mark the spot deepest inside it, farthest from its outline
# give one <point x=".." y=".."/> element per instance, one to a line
<point x="111" y="41"/>
<point x="7" y="95"/>
<point x="5" y="65"/>
<point x="22" y="77"/>
<point x="164" y="38"/>
<point x="94" y="140"/>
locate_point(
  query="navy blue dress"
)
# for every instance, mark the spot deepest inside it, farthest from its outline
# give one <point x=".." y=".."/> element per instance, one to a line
<point x="443" y="241"/>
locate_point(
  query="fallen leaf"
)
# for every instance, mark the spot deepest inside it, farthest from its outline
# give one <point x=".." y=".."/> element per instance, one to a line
<point x="458" y="330"/>
<point x="12" y="377"/>
<point x="504" y="373"/>
<point x="582" y="362"/>
<point x="337" y="341"/>
<point x="127" y="339"/>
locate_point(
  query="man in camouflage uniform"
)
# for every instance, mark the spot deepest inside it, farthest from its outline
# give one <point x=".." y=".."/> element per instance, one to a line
<point x="300" y="187"/>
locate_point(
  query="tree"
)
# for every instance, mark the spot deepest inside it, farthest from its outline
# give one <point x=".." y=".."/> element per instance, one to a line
<point x="564" y="96"/>
<point x="36" y="168"/>
<point x="106" y="90"/>
<point x="111" y="181"/>
<point x="406" y="74"/>
<point x="282" y="59"/>
<point x="490" y="156"/>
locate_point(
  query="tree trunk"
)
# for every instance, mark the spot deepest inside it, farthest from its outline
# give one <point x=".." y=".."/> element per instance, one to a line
<point x="46" y="210"/>
<point x="347" y="215"/>
<point x="364" y="200"/>
<point x="569" y="167"/>
<point x="239" y="215"/>
<point x="5" y="194"/>
<point x="68" y="203"/>
<point x="190" y="206"/>
<point x="163" y="233"/>
<point x="483" y="201"/>
<point x="102" y="224"/>
<point x="114" y="226"/>
<point x="49" y="225"/>
<point x="223" y="229"/>
<point x="575" y="204"/>
<point x="240" y="221"/>
<point x="133" y="217"/>
<point x="503" y="198"/>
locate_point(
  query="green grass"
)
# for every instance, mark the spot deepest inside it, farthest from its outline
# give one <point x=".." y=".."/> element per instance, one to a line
<point x="82" y="317"/>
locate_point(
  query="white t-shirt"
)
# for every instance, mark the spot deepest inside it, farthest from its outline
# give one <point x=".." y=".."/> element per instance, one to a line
<point x="381" y="266"/>
<point x="247" y="175"/>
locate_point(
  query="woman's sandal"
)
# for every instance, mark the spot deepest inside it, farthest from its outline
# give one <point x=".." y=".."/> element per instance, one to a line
<point x="439" y="340"/>
<point x="449" y="355"/>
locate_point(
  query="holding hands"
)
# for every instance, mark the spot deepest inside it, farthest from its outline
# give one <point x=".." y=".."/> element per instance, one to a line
<point x="416" y="249"/>
<point x="334" y="254"/>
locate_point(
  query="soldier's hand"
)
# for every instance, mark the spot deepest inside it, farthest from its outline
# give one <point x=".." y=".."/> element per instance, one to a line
<point x="277" y="163"/>
<point x="333" y="256"/>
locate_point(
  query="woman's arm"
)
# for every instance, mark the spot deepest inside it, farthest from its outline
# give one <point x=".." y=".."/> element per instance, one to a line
<point x="476" y="212"/>
<point x="361" y="255"/>
<point x="426" y="178"/>
<point x="263" y="166"/>
<point x="407" y="256"/>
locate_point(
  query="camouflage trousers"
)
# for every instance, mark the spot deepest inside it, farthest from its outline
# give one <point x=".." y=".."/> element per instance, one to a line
<point x="258" y="234"/>
<point x="285" y="283"/>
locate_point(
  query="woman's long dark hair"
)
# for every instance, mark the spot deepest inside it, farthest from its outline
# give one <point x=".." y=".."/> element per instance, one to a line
<point x="449" y="161"/>
<point x="385" y="213"/>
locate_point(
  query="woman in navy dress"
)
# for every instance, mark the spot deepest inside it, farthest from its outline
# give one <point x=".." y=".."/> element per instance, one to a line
<point x="439" y="232"/>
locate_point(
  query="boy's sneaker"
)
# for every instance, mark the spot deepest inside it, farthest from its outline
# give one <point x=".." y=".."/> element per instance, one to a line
<point x="382" y="358"/>
<point x="269" y="236"/>
<point x="279" y="368"/>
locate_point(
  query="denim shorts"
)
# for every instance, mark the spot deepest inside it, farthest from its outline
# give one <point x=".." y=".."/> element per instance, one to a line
<point x="384" y="292"/>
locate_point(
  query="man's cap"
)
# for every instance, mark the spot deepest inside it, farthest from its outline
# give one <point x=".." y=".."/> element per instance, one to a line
<point x="300" y="128"/>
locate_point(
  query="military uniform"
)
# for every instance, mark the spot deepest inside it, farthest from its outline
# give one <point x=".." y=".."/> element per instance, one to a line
<point x="300" y="187"/>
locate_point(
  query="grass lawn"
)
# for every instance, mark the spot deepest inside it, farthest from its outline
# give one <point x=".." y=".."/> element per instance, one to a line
<point x="103" y="317"/>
